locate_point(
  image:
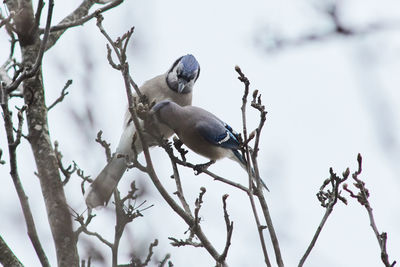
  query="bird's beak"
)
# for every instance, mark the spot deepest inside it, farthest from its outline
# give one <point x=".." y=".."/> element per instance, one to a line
<point x="181" y="85"/>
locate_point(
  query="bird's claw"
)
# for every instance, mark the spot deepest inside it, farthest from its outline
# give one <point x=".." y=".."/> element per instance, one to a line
<point x="178" y="145"/>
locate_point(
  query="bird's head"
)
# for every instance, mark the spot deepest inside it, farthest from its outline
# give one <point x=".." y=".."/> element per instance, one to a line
<point x="183" y="74"/>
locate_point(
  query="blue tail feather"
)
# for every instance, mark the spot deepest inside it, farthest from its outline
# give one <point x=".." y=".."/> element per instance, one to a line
<point x="243" y="161"/>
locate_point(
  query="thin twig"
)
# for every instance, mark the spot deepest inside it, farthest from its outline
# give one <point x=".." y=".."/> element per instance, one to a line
<point x="4" y="77"/>
<point x="98" y="236"/>
<point x="104" y="144"/>
<point x="38" y="13"/>
<point x="164" y="261"/>
<point x="79" y="12"/>
<point x="188" y="242"/>
<point x="76" y="17"/>
<point x="328" y="200"/>
<point x="12" y="147"/>
<point x="119" y="226"/>
<point x="81" y="220"/>
<point x="33" y="69"/>
<point x="260" y="228"/>
<point x="362" y="198"/>
<point x="85" y="178"/>
<point x="124" y="215"/>
<point x="64" y="93"/>
<point x="193" y="166"/>
<point x="179" y="189"/>
<point x="19" y="129"/>
<point x="2" y="162"/>
<point x="83" y="228"/>
<point x="339" y="29"/>
<point x="137" y="263"/>
<point x="257" y="104"/>
<point x="197" y="204"/>
<point x="83" y="262"/>
<point x="120" y="51"/>
<point x="83" y="20"/>
<point x="7" y="20"/>
<point x="229" y="229"/>
<point x="67" y="172"/>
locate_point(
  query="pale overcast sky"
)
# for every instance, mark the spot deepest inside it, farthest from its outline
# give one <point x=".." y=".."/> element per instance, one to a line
<point x="326" y="102"/>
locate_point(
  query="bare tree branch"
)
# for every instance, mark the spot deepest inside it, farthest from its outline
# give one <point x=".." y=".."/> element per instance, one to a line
<point x="123" y="217"/>
<point x="10" y="63"/>
<point x="187" y="242"/>
<point x="120" y="49"/>
<point x="184" y="163"/>
<point x="77" y="17"/>
<point x="164" y="261"/>
<point x="85" y="178"/>
<point x="83" y="228"/>
<point x="32" y="50"/>
<point x="137" y="262"/>
<point x="104" y="144"/>
<point x="260" y="228"/>
<point x="148" y="258"/>
<point x="7" y="257"/>
<point x="12" y="148"/>
<point x="328" y="200"/>
<point x="198" y="203"/>
<point x="4" y="21"/>
<point x="257" y="104"/>
<point x="64" y="93"/>
<point x="80" y="21"/>
<point x="2" y="162"/>
<point x="338" y="29"/>
<point x="362" y="198"/>
<point x="67" y="172"/>
<point x="229" y="229"/>
<point x="32" y="70"/>
<point x="98" y="236"/>
<point x="89" y="262"/>
<point x="179" y="189"/>
<point x="38" y="13"/>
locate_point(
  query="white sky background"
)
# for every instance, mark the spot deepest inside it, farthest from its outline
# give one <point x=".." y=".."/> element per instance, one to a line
<point x="327" y="101"/>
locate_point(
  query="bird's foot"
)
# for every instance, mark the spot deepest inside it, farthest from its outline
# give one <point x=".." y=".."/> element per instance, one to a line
<point x="199" y="168"/>
<point x="178" y="145"/>
<point x="166" y="144"/>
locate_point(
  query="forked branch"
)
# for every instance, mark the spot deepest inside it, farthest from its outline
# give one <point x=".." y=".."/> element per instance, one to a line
<point x="362" y="197"/>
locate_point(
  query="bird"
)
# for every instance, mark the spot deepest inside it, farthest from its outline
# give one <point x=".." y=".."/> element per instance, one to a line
<point x="175" y="85"/>
<point x="202" y="132"/>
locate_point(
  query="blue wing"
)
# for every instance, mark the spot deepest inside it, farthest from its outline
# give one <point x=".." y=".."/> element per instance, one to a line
<point x="219" y="133"/>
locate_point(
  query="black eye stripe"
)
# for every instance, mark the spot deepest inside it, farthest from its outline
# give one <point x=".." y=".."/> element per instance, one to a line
<point x="183" y="77"/>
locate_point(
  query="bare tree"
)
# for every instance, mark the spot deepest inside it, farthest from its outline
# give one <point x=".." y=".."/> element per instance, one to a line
<point x="24" y="78"/>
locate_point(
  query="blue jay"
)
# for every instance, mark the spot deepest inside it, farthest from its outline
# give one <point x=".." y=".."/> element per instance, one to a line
<point x="201" y="131"/>
<point x="175" y="85"/>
